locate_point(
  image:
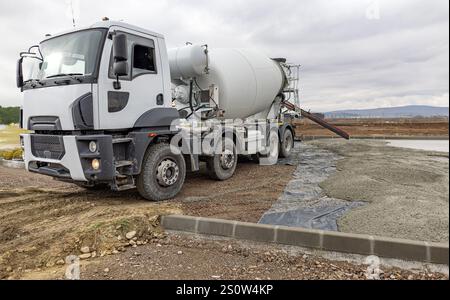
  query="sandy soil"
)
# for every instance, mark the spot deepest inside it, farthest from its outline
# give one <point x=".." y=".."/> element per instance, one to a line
<point x="407" y="190"/>
<point x="43" y="220"/>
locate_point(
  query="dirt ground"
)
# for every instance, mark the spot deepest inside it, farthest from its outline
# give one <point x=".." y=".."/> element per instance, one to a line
<point x="378" y="127"/>
<point x="188" y="257"/>
<point x="406" y="190"/>
<point x="43" y="220"/>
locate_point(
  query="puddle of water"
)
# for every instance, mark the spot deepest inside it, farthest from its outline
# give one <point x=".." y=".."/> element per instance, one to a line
<point x="428" y="145"/>
<point x="303" y="203"/>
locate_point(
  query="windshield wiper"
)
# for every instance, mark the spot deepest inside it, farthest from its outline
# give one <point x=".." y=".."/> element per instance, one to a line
<point x="71" y="75"/>
<point x="34" y="81"/>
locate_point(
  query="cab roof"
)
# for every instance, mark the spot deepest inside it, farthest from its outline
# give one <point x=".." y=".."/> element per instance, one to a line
<point x="107" y="25"/>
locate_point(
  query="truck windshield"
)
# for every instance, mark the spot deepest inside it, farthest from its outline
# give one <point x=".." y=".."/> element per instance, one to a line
<point x="70" y="54"/>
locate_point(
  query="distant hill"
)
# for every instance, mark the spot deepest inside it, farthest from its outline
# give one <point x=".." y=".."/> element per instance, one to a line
<point x="391" y="112"/>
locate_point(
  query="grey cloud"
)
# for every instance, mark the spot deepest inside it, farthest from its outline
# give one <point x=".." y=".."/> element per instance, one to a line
<point x="347" y="60"/>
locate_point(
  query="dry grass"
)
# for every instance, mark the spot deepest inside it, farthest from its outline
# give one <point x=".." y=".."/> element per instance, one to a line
<point x="9" y="137"/>
<point x="378" y="127"/>
<point x="11" y="154"/>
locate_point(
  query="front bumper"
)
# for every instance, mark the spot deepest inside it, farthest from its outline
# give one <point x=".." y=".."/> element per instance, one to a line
<point x="68" y="157"/>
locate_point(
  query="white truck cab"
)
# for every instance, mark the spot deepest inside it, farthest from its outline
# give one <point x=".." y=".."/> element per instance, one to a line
<point x="100" y="106"/>
<point x="85" y="57"/>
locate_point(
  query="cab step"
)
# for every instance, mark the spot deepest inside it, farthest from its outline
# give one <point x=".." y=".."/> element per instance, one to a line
<point x="125" y="187"/>
<point x="123" y="182"/>
<point x="122" y="140"/>
<point x="123" y="163"/>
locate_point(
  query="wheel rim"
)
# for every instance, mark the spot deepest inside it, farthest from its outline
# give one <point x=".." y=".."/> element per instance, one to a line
<point x="227" y="159"/>
<point x="288" y="142"/>
<point x="167" y="172"/>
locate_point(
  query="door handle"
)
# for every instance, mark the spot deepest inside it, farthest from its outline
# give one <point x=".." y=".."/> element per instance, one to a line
<point x="160" y="99"/>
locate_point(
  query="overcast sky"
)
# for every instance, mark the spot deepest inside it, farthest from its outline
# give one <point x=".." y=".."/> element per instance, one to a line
<point x="354" y="53"/>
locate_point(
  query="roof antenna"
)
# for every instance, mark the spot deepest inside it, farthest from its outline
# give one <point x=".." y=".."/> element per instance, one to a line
<point x="73" y="16"/>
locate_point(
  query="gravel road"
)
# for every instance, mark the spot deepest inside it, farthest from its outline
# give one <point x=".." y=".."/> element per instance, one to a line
<point x="406" y="190"/>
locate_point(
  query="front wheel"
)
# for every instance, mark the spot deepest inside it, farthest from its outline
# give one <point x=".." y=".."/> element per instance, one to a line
<point x="162" y="175"/>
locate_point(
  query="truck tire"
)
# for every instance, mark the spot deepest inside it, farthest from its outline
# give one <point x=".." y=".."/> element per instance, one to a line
<point x="287" y="143"/>
<point x="222" y="166"/>
<point x="162" y="175"/>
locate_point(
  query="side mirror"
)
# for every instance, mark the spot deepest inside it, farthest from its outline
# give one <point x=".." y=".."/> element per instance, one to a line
<point x="120" y="68"/>
<point x="120" y="55"/>
<point x="19" y="73"/>
<point x="120" y="48"/>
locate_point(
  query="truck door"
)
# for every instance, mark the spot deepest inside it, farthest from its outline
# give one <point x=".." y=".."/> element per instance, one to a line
<point x="141" y="90"/>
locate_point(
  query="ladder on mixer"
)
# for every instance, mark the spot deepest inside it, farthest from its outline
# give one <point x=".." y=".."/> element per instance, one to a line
<point x="293" y="77"/>
<point x="292" y="91"/>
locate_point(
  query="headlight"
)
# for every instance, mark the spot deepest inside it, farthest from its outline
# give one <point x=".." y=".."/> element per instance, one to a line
<point x="93" y="146"/>
<point x="95" y="164"/>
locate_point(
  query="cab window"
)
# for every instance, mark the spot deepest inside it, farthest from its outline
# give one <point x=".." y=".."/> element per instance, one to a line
<point x="141" y="57"/>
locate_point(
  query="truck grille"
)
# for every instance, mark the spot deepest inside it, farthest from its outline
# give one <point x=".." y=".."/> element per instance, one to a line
<point x="47" y="146"/>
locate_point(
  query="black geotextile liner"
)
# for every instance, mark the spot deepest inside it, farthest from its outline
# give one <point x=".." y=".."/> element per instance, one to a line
<point x="303" y="203"/>
<point x="324" y="218"/>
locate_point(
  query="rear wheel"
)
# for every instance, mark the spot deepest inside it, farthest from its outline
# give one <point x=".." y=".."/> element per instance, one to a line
<point x="287" y="143"/>
<point x="162" y="175"/>
<point x="222" y="165"/>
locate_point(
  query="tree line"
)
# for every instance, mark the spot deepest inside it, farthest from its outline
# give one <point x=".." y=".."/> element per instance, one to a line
<point x="9" y="115"/>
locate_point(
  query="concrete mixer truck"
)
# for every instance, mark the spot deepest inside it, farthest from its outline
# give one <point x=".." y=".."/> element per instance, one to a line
<point x="108" y="105"/>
